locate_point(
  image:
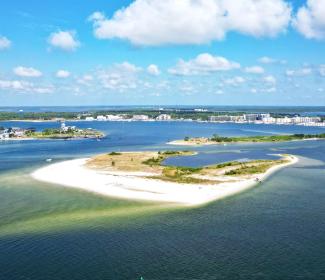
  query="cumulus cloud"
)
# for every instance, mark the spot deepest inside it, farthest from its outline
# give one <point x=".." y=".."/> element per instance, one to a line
<point x="85" y="80"/>
<point x="235" y="81"/>
<point x="27" y="72"/>
<point x="127" y="67"/>
<point x="310" y="19"/>
<point x="299" y="72"/>
<point x="269" y="80"/>
<point x="121" y="77"/>
<point x="266" y="60"/>
<point x="14" y="84"/>
<point x="5" y="43"/>
<point x="254" y="70"/>
<point x="63" y="74"/>
<point x="65" y="40"/>
<point x="153" y="69"/>
<point x="155" y="22"/>
<point x="24" y="87"/>
<point x="202" y="64"/>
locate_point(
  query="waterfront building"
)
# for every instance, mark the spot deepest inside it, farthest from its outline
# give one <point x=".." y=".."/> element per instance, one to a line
<point x="221" y="118"/>
<point x="299" y="120"/>
<point x="114" y="117"/>
<point x="140" y="118"/>
<point x="284" y="120"/>
<point x="89" y="119"/>
<point x="101" y="118"/>
<point x="163" y="117"/>
<point x="255" y="117"/>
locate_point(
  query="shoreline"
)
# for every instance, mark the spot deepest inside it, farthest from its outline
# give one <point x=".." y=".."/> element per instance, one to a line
<point x="47" y="139"/>
<point x="133" y="186"/>
<point x="209" y="143"/>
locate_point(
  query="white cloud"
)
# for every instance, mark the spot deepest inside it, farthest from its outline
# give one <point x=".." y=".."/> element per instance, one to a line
<point x="266" y="60"/>
<point x="155" y="22"/>
<point x="270" y="60"/>
<point x="63" y="74"/>
<point x="269" y="79"/>
<point x="127" y="67"/>
<point x="48" y="89"/>
<point x="64" y="40"/>
<point x="119" y="78"/>
<point x="254" y="70"/>
<point x="322" y="70"/>
<point x="310" y="19"/>
<point x="88" y="77"/>
<point x="299" y="72"/>
<point x="24" y="87"/>
<point x="85" y="80"/>
<point x="27" y="72"/>
<point x="203" y="63"/>
<point x="235" y="81"/>
<point x="16" y="85"/>
<point x="5" y="43"/>
<point x="153" y="70"/>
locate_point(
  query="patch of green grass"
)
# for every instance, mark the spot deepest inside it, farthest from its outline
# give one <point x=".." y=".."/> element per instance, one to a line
<point x="268" y="138"/>
<point x="250" y="168"/>
<point x="154" y="161"/>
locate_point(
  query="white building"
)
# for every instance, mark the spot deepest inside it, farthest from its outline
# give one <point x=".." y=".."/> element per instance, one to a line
<point x="89" y="119"/>
<point x="269" y="120"/>
<point x="163" y="117"/>
<point x="299" y="120"/>
<point x="221" y="118"/>
<point x="284" y="120"/>
<point x="140" y="118"/>
<point x="101" y="118"/>
<point x="255" y="117"/>
<point x="65" y="128"/>
<point x="114" y="117"/>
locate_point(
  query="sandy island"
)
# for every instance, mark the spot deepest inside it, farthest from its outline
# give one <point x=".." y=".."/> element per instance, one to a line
<point x="141" y="176"/>
<point x="222" y="140"/>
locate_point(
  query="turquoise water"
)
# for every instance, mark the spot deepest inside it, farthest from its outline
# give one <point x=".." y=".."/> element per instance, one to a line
<point x="273" y="231"/>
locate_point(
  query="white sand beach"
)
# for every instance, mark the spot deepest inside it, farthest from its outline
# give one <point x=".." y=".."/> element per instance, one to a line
<point x="133" y="186"/>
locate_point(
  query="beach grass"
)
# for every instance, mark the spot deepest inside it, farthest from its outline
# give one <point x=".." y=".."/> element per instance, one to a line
<point x="152" y="164"/>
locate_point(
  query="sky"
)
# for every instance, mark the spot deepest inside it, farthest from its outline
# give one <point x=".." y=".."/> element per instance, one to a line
<point x="171" y="52"/>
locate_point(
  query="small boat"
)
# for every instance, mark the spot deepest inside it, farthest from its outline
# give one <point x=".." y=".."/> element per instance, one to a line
<point x="48" y="160"/>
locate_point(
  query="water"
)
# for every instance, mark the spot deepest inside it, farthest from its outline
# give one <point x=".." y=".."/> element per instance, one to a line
<point x="273" y="231"/>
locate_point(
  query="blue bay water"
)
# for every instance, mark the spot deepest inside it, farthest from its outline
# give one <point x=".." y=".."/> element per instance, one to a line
<point x="273" y="231"/>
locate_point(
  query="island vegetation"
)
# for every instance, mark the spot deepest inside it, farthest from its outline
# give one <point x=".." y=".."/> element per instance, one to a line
<point x="64" y="132"/>
<point x="217" y="139"/>
<point x="152" y="165"/>
<point x="50" y="133"/>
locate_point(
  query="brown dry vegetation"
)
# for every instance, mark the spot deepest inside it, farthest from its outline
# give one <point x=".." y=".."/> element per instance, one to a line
<point x="151" y="162"/>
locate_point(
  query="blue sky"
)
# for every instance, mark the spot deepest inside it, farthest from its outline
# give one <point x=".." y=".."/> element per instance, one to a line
<point x="214" y="52"/>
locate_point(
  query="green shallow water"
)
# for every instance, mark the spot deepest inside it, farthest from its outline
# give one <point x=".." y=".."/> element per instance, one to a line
<point x="273" y="231"/>
<point x="29" y="206"/>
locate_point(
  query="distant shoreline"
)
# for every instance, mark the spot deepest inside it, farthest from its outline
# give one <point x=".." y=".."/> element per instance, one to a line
<point x="203" y="141"/>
